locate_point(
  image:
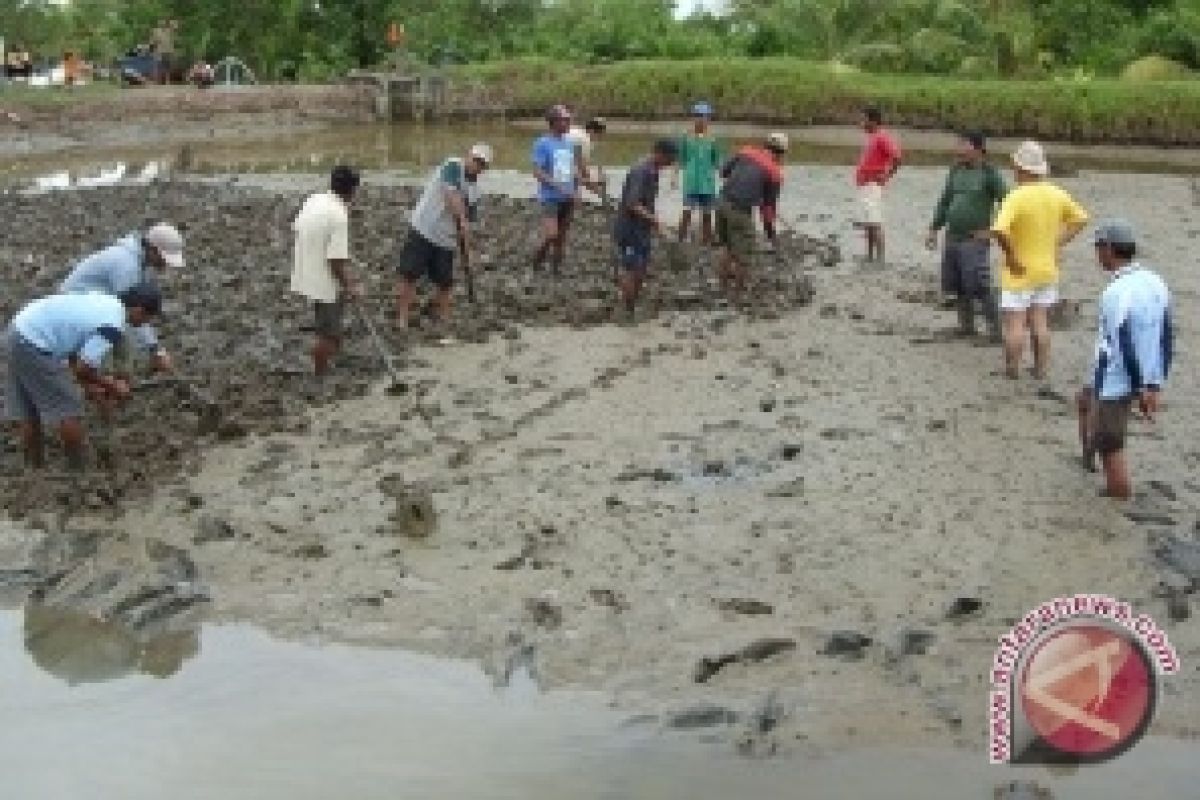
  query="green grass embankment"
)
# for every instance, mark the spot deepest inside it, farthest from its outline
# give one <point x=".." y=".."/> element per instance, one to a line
<point x="805" y="93"/>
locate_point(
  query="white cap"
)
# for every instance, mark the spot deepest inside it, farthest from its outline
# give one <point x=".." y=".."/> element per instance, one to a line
<point x="1031" y="158"/>
<point x="167" y="239"/>
<point x="483" y="152"/>
<point x="778" y="141"/>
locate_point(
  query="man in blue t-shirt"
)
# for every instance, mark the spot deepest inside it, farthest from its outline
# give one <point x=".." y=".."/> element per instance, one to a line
<point x="557" y="168"/>
<point x="59" y="341"/>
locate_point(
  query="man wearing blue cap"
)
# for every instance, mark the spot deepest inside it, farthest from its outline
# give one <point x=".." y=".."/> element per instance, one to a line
<point x="699" y="160"/>
<point x="59" y="341"/>
<point x="1133" y="355"/>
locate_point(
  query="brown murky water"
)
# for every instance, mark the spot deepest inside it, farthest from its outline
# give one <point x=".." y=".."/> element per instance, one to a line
<point x="90" y="713"/>
<point x="417" y="147"/>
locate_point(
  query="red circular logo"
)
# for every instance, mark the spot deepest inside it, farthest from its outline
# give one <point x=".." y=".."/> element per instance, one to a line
<point x="1088" y="690"/>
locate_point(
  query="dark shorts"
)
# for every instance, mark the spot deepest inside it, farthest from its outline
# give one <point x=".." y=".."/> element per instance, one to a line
<point x="735" y="230"/>
<point x="328" y="317"/>
<point x="634" y="254"/>
<point x="1111" y="421"/>
<point x="422" y="258"/>
<point x="966" y="268"/>
<point x="38" y="386"/>
<point x="700" y="202"/>
<point x="560" y="210"/>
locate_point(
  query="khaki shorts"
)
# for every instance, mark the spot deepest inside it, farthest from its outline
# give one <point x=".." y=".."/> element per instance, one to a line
<point x="735" y="231"/>
<point x="1111" y="420"/>
<point x="870" y="199"/>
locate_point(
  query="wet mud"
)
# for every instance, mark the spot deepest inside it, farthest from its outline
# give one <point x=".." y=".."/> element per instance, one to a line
<point x="797" y="524"/>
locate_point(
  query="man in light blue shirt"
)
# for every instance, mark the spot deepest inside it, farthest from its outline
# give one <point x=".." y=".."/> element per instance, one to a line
<point x="1133" y="355"/>
<point x="58" y="342"/>
<point x="121" y="266"/>
<point x="558" y="169"/>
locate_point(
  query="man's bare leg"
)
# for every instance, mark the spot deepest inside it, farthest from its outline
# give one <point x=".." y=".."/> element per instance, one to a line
<point x="1116" y="476"/>
<point x="631" y="284"/>
<point x="559" y="251"/>
<point x="1015" y="331"/>
<point x="879" y="241"/>
<point x="706" y="228"/>
<point x="443" y="299"/>
<point x="70" y="431"/>
<point x="32" y="444"/>
<point x="1084" y="410"/>
<point x="406" y="295"/>
<point x="324" y="349"/>
<point x="725" y="268"/>
<point x="549" y="237"/>
<point x="1039" y="323"/>
<point x="685" y="222"/>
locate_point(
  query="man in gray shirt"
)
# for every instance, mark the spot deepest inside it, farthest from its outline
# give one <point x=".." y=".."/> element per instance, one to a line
<point x="129" y="262"/>
<point x="439" y="225"/>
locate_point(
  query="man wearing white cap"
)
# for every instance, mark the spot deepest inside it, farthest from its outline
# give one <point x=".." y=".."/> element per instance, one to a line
<point x="129" y="262"/>
<point x="439" y="225"/>
<point x="1036" y="220"/>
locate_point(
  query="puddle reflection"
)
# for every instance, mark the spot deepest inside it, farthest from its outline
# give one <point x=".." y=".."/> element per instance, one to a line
<point x="78" y="649"/>
<point x="248" y="716"/>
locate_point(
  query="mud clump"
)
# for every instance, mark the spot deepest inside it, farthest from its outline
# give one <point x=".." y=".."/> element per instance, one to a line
<point x="243" y="338"/>
<point x="414" y="516"/>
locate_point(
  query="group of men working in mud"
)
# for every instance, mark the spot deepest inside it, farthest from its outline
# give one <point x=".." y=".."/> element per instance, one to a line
<point x="56" y="341"/>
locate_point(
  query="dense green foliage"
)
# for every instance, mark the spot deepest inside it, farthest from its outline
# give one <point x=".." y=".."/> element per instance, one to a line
<point x="798" y="92"/>
<point x="310" y="39"/>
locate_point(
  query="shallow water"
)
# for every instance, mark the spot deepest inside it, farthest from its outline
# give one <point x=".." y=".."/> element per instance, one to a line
<point x="419" y="147"/>
<point x="241" y="715"/>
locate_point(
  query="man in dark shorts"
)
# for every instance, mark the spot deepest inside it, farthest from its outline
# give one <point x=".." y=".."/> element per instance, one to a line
<point x="753" y="177"/>
<point x="439" y="225"/>
<point x="973" y="190"/>
<point x="636" y="221"/>
<point x="1133" y="355"/>
<point x="558" y="169"/>
<point x="321" y="266"/>
<point x="57" y="343"/>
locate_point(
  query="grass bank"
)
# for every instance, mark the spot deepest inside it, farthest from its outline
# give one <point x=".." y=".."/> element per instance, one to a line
<point x="805" y="93"/>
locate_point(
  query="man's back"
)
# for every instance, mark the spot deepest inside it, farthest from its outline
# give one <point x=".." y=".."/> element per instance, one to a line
<point x="322" y="234"/>
<point x="1134" y="316"/>
<point x="113" y="270"/>
<point x="1033" y="216"/>
<point x="60" y="324"/>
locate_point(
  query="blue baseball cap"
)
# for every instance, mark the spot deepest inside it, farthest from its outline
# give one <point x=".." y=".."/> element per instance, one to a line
<point x="702" y="110"/>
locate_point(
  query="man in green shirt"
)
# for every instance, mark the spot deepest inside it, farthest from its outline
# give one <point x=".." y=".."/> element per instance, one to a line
<point x="699" y="160"/>
<point x="973" y="190"/>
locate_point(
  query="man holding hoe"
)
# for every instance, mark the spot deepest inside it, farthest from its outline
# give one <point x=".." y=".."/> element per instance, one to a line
<point x="441" y="224"/>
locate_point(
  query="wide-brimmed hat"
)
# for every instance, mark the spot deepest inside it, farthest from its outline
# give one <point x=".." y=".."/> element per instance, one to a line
<point x="1031" y="158"/>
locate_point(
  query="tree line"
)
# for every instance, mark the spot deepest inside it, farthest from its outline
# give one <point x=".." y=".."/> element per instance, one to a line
<point x="319" y="39"/>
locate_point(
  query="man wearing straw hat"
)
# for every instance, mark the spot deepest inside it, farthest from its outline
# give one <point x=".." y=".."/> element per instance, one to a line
<point x="1036" y="220"/>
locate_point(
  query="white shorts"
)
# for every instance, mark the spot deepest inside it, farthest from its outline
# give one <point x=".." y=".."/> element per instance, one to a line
<point x="870" y="198"/>
<point x="1043" y="296"/>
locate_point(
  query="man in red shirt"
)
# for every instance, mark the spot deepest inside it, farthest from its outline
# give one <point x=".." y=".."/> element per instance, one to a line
<point x="879" y="161"/>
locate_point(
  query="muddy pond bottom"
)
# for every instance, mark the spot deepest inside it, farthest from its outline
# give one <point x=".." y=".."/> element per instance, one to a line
<point x="232" y="713"/>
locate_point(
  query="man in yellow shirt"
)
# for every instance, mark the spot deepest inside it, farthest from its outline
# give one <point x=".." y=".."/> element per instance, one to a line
<point x="1036" y="220"/>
